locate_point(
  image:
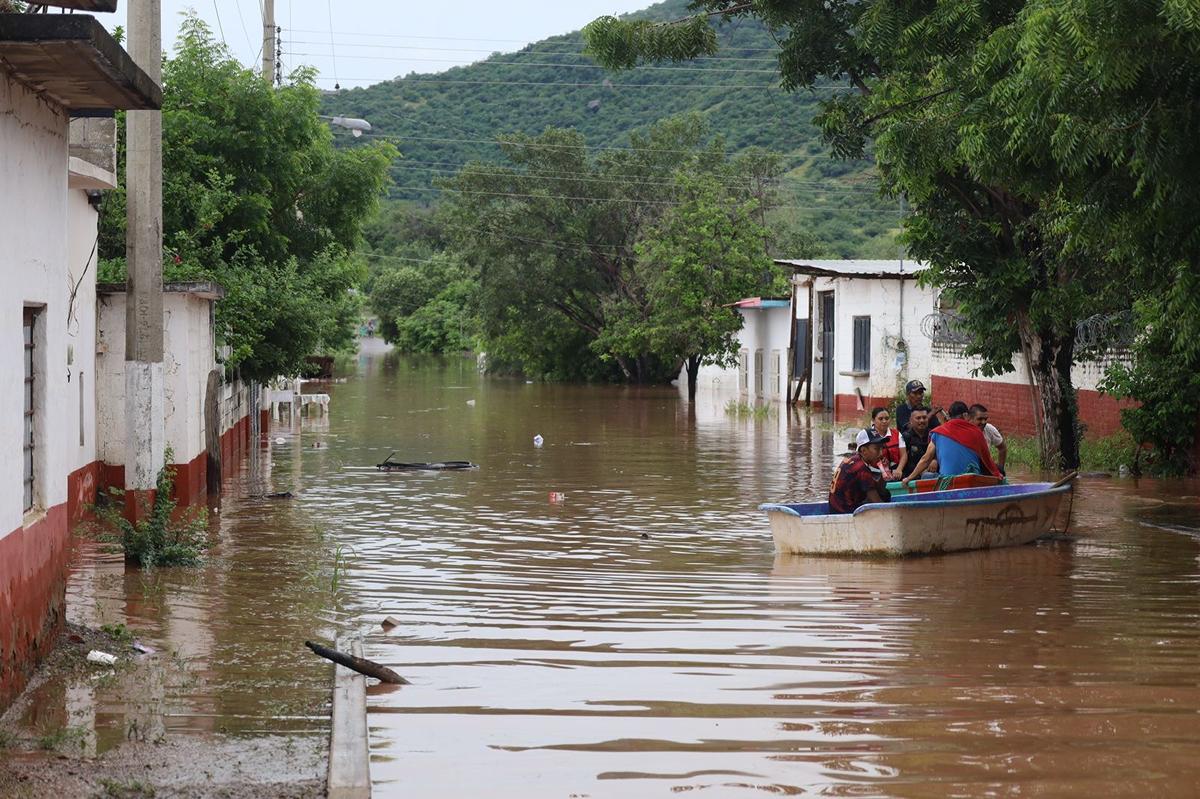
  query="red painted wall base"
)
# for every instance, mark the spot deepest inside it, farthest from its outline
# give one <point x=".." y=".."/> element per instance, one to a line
<point x="1011" y="405"/>
<point x="33" y="583"/>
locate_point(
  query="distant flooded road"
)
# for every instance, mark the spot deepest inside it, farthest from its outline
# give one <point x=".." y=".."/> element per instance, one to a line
<point x="640" y="638"/>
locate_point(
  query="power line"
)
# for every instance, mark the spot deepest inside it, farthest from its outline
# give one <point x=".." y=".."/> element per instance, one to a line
<point x="522" y="42"/>
<point x="401" y="137"/>
<point x="408" y="80"/>
<point x="634" y="180"/>
<point x="220" y="27"/>
<point x="238" y="5"/>
<point x="538" y="52"/>
<point x="890" y="212"/>
<point x="332" y="50"/>
<point x="533" y="64"/>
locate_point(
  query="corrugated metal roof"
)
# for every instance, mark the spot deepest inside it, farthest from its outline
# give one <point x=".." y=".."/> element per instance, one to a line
<point x="881" y="270"/>
<point x="759" y="302"/>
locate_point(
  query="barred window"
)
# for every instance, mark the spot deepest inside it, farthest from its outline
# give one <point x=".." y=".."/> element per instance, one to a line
<point x="30" y="319"/>
<point x="862" y="343"/>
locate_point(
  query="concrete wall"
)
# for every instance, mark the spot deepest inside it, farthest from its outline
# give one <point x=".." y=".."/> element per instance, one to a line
<point x="899" y="351"/>
<point x="766" y="331"/>
<point x="189" y="354"/>
<point x="33" y="269"/>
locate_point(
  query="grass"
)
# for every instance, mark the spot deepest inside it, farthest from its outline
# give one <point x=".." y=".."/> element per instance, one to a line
<point x="134" y="789"/>
<point x="746" y="410"/>
<point x="52" y="740"/>
<point x="1106" y="454"/>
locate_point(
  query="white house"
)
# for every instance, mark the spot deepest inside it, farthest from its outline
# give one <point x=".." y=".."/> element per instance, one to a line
<point x="53" y="68"/>
<point x="761" y="373"/>
<point x="864" y="321"/>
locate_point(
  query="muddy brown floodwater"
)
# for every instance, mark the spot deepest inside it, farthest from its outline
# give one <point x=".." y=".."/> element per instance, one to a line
<point x="638" y="636"/>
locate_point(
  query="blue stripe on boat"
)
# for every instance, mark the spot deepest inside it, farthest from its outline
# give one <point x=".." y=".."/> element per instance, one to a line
<point x="975" y="496"/>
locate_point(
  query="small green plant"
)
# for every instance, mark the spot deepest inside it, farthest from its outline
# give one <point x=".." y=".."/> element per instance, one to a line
<point x="157" y="539"/>
<point x="1106" y="454"/>
<point x="7" y="739"/>
<point x="118" y="631"/>
<point x="134" y="789"/>
<point x="742" y="409"/>
<point x="56" y="738"/>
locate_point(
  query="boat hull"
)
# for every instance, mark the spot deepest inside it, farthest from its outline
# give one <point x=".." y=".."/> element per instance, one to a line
<point x="922" y="524"/>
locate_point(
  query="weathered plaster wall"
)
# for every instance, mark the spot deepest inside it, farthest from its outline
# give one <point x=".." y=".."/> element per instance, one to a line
<point x="33" y="218"/>
<point x="188" y="356"/>
<point x="765" y="329"/>
<point x="896" y="309"/>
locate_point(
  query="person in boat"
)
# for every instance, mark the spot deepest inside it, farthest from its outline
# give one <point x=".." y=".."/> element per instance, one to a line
<point x="959" y="447"/>
<point x="914" y="393"/>
<point x="857" y="480"/>
<point x="916" y="440"/>
<point x="979" y="417"/>
<point x="895" y="452"/>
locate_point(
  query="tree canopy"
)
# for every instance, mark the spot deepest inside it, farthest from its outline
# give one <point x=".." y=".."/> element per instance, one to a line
<point x="952" y="98"/>
<point x="583" y="264"/>
<point x="256" y="197"/>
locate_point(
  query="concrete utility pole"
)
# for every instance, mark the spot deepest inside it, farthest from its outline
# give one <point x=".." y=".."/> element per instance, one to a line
<point x="268" y="42"/>
<point x="145" y="433"/>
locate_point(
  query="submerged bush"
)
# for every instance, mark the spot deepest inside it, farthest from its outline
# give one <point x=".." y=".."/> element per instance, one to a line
<point x="157" y="539"/>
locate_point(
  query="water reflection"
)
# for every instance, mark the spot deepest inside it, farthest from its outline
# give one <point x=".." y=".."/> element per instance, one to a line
<point x="641" y="638"/>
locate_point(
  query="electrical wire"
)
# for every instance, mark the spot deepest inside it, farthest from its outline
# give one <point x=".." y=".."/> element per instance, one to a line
<point x="890" y="212"/>
<point x="220" y="27"/>
<point x="238" y="5"/>
<point x="403" y="137"/>
<point x="492" y="52"/>
<point x="332" y="49"/>
<point x="523" y="42"/>
<point x="493" y="62"/>
<point x="409" y="80"/>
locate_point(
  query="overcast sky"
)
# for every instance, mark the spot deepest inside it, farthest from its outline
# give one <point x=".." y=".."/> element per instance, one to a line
<point x="376" y="40"/>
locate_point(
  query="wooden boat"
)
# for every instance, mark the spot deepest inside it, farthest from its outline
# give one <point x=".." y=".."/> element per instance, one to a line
<point x="947" y="482"/>
<point x="922" y="523"/>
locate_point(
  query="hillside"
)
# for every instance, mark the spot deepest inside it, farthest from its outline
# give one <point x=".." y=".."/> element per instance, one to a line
<point x="442" y="120"/>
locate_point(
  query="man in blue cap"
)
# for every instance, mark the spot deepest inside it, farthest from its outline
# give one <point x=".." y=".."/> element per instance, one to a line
<point x="858" y="479"/>
<point x="914" y="392"/>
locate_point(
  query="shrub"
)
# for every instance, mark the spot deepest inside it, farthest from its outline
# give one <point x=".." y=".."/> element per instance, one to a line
<point x="157" y="539"/>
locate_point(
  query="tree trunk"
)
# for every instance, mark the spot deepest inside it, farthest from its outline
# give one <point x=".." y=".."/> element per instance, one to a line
<point x="693" y="368"/>
<point x="1050" y="357"/>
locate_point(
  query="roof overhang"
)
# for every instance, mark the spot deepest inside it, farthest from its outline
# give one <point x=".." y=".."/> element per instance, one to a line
<point x="869" y="270"/>
<point x="71" y="60"/>
<point x="85" y="5"/>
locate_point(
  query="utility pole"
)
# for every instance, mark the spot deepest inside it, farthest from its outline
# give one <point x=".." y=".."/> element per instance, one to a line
<point x="268" y="41"/>
<point x="144" y="426"/>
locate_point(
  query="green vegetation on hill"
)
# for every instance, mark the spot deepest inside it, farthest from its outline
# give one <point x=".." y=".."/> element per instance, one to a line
<point x="442" y="121"/>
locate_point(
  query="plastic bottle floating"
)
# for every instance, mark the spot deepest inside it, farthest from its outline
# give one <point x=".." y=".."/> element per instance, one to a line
<point x="557" y="497"/>
<point x="538" y="441"/>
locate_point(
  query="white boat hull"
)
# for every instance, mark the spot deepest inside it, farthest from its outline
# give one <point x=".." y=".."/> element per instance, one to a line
<point x="923" y="524"/>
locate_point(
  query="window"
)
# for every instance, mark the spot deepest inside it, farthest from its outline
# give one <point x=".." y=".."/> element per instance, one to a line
<point x="29" y="319"/>
<point x="758" y="373"/>
<point x="744" y="370"/>
<point x="776" y="369"/>
<point x="862" y="343"/>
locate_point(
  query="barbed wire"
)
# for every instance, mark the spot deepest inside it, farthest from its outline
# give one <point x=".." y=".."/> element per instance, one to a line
<point x="1107" y="331"/>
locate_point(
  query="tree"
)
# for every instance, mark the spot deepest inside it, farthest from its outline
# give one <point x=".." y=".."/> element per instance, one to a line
<point x="704" y="253"/>
<point x="1110" y="111"/>
<point x="984" y="218"/>
<point x="553" y="240"/>
<point x="256" y="197"/>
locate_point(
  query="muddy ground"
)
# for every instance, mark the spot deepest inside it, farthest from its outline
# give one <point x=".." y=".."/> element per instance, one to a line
<point x="40" y="759"/>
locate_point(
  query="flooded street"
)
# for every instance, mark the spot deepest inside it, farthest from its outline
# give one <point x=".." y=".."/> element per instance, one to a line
<point x="639" y="637"/>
